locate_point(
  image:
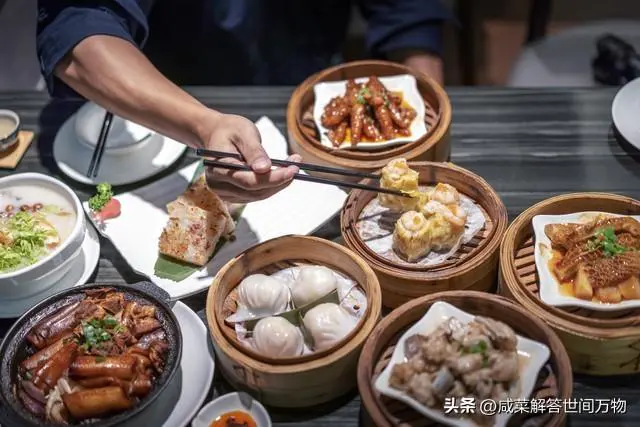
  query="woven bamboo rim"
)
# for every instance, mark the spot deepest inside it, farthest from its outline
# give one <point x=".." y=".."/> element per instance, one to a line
<point x="480" y="250"/>
<point x="598" y="342"/>
<point x="304" y="135"/>
<point x="554" y="381"/>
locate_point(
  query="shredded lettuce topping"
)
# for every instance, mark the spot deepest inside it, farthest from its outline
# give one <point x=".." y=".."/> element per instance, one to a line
<point x="22" y="240"/>
<point x="104" y="194"/>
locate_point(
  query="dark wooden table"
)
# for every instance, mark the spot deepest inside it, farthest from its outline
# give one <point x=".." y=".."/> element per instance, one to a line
<point x="528" y="144"/>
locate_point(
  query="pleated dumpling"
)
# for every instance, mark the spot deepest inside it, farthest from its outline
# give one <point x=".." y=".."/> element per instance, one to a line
<point x="412" y="236"/>
<point x="263" y="295"/>
<point x="277" y="337"/>
<point x="445" y="226"/>
<point x="397" y="175"/>
<point x="313" y="282"/>
<point x="327" y="324"/>
<point x="445" y="194"/>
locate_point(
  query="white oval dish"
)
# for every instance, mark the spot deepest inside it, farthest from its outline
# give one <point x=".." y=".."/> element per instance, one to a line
<point x="46" y="272"/>
<point x="625" y="110"/>
<point x="123" y="138"/>
<point x="232" y="402"/>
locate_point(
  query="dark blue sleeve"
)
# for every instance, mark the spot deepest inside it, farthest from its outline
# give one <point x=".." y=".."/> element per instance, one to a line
<point x="404" y="24"/>
<point x="62" y="24"/>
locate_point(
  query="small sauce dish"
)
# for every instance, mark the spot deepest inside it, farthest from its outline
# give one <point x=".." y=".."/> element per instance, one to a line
<point x="9" y="129"/>
<point x="231" y="410"/>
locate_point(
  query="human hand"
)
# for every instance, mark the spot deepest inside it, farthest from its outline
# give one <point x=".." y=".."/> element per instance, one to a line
<point x="236" y="134"/>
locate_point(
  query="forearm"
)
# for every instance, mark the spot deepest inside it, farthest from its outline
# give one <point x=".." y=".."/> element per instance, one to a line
<point x="116" y="75"/>
<point x="421" y="61"/>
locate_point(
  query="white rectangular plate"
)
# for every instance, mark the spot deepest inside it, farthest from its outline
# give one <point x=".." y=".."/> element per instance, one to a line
<point x="535" y="353"/>
<point x="300" y="209"/>
<point x="549" y="287"/>
<point x="404" y="83"/>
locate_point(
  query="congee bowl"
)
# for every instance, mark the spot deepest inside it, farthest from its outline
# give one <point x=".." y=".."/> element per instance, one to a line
<point x="15" y="348"/>
<point x="29" y="189"/>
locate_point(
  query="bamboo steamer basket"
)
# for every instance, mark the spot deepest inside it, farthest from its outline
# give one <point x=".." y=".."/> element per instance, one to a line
<point x="473" y="267"/>
<point x="303" y="134"/>
<point x="294" y="382"/>
<point x="598" y="343"/>
<point x="555" y="380"/>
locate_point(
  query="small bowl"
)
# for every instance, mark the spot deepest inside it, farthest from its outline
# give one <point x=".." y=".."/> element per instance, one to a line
<point x="9" y="138"/>
<point x="124" y="136"/>
<point x="232" y="402"/>
<point x="49" y="270"/>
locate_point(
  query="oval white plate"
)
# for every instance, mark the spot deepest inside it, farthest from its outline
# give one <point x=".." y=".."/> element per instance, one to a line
<point x="404" y="83"/>
<point x="625" y="112"/>
<point x="232" y="402"/>
<point x="549" y="287"/>
<point x="536" y="353"/>
<point x="73" y="158"/>
<point x="77" y="275"/>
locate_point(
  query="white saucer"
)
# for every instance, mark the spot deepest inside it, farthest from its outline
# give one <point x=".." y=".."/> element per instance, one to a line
<point x="625" y="112"/>
<point x="73" y="158"/>
<point x="197" y="367"/>
<point x="79" y="273"/>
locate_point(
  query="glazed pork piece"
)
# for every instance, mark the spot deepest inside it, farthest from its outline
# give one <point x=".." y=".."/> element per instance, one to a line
<point x="367" y="112"/>
<point x="98" y="356"/>
<point x="601" y="258"/>
<point x="478" y="360"/>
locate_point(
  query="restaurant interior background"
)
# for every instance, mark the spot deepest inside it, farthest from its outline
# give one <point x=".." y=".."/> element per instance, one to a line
<point x="485" y="49"/>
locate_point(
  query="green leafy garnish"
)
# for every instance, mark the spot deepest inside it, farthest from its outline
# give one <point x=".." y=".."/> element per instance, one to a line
<point x="103" y="195"/>
<point x="96" y="331"/>
<point x="606" y="240"/>
<point x="22" y="240"/>
<point x="479" y="347"/>
<point x="363" y="93"/>
<point x="28" y="376"/>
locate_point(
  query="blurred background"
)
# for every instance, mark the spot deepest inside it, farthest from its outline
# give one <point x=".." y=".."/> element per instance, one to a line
<point x="520" y="43"/>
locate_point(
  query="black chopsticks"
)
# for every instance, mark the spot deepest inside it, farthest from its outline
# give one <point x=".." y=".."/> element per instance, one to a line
<point x="304" y="166"/>
<point x="301" y="177"/>
<point x="98" y="151"/>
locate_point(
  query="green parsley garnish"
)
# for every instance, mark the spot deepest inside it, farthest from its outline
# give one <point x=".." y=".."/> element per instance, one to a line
<point x="362" y="94"/>
<point x="479" y="347"/>
<point x="28" y="376"/>
<point x="606" y="240"/>
<point x="103" y="195"/>
<point x="24" y="240"/>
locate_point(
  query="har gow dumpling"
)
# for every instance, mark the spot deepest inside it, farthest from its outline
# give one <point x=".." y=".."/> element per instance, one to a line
<point x="327" y="324"/>
<point x="263" y="295"/>
<point x="313" y="282"/>
<point x="277" y="337"/>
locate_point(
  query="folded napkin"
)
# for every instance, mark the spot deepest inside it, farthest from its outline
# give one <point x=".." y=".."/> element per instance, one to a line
<point x="301" y="208"/>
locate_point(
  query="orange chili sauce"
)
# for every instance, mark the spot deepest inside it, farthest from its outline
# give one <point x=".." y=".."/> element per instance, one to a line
<point x="234" y="418"/>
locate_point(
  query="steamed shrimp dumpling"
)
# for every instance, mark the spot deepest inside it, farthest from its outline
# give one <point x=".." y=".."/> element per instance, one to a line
<point x="277" y="337"/>
<point x="263" y="295"/>
<point x="327" y="324"/>
<point x="412" y="236"/>
<point x="397" y="175"/>
<point x="313" y="282"/>
<point x="445" y="193"/>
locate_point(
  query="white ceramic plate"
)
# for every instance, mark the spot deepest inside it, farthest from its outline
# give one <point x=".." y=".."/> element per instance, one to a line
<point x="73" y="158"/>
<point x="535" y="352"/>
<point x="549" y="288"/>
<point x="136" y="231"/>
<point x="232" y="402"/>
<point x="404" y="83"/>
<point x="197" y="367"/>
<point x="78" y="274"/>
<point x="626" y="110"/>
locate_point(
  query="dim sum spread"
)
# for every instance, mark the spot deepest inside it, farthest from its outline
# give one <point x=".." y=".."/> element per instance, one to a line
<point x="92" y="358"/>
<point x="426" y="228"/>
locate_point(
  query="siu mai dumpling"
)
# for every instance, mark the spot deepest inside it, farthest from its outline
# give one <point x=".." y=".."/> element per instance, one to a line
<point x="412" y="236"/>
<point x="397" y="175"/>
<point x="197" y="221"/>
<point x="445" y="194"/>
<point x="445" y="227"/>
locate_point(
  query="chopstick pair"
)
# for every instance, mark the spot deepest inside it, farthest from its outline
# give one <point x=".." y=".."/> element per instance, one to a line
<point x="98" y="151"/>
<point x="302" y="166"/>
